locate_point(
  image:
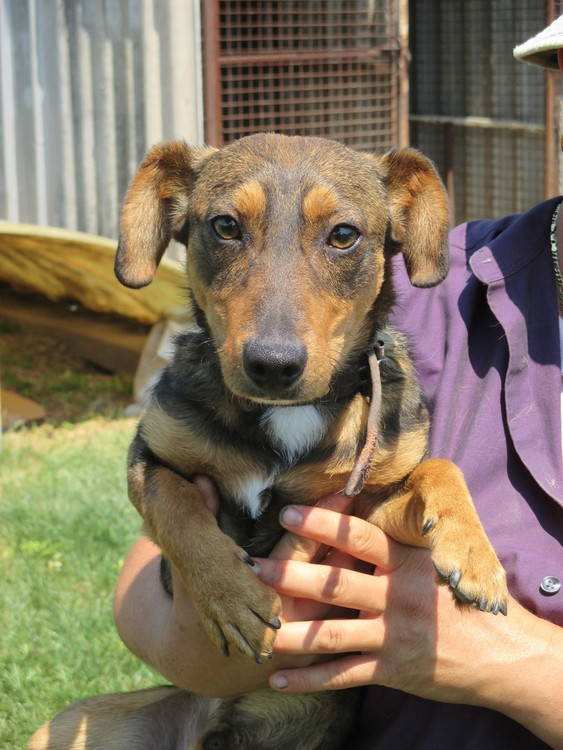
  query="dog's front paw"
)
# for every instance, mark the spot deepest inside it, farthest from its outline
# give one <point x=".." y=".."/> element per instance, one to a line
<point x="465" y="560"/>
<point x="235" y="607"/>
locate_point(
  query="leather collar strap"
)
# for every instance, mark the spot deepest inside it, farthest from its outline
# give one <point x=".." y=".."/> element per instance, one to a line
<point x="363" y="463"/>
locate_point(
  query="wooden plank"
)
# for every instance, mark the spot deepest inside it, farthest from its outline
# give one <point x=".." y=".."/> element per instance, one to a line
<point x="116" y="345"/>
<point x="17" y="410"/>
<point x="62" y="264"/>
<point x="485" y="123"/>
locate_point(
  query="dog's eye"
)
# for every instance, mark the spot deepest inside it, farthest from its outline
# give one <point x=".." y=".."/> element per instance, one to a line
<point x="343" y="236"/>
<point x="226" y="227"/>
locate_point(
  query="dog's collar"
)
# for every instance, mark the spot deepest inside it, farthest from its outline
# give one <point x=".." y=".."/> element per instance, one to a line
<point x="356" y="376"/>
<point x="366" y="380"/>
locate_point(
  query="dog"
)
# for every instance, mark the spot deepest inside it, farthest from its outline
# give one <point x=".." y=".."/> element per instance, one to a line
<point x="292" y="386"/>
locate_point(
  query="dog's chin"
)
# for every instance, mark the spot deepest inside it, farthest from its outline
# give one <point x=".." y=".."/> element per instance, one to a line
<point x="295" y="397"/>
<point x="280" y="401"/>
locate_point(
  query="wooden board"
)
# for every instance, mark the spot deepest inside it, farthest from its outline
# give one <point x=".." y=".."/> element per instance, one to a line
<point x="62" y="264"/>
<point x="16" y="410"/>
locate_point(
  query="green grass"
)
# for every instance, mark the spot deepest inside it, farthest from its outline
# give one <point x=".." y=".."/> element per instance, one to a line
<point x="15" y="383"/>
<point x="65" y="526"/>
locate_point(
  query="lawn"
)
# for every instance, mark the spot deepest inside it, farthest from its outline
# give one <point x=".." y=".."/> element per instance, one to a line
<point x="65" y="526"/>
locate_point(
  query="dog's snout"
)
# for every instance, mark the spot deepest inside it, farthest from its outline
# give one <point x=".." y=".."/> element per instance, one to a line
<point x="272" y="364"/>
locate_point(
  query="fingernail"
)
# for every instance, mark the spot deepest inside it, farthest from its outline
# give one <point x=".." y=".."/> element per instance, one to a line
<point x="278" y="681"/>
<point x="290" y="516"/>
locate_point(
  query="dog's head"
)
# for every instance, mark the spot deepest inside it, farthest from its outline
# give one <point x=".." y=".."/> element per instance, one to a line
<point x="287" y="240"/>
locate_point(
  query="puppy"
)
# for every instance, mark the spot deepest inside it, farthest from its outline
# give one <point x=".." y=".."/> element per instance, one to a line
<point x="291" y="387"/>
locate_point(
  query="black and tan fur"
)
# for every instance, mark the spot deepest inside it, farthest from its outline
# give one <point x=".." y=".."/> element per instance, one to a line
<point x="284" y="288"/>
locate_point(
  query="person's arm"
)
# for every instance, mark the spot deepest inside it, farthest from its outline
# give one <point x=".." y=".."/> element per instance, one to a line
<point x="166" y="633"/>
<point x="412" y="635"/>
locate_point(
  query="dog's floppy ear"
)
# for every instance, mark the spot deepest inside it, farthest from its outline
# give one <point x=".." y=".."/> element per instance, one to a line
<point x="418" y="205"/>
<point x="155" y="209"/>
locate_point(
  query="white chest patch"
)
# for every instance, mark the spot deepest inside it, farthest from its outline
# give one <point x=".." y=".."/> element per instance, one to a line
<point x="248" y="491"/>
<point x="294" y="430"/>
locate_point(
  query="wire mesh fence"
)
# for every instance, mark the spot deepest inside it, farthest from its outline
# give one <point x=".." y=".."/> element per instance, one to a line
<point x="306" y="67"/>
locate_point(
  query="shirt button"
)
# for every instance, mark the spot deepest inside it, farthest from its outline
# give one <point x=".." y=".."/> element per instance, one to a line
<point x="550" y="585"/>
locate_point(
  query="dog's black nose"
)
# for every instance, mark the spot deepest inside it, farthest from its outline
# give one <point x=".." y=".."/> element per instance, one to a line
<point x="274" y="365"/>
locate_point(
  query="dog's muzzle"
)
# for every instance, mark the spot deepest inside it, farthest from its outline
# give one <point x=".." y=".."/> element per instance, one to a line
<point x="274" y="366"/>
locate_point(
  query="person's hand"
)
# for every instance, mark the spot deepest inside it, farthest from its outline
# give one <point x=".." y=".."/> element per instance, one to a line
<point x="411" y="634"/>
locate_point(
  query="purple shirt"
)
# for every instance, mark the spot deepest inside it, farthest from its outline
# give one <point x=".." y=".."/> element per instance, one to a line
<point x="486" y="347"/>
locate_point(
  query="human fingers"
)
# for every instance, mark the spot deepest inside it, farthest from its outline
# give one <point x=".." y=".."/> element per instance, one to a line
<point x="350" y="534"/>
<point x="294" y="547"/>
<point x="330" y="636"/>
<point x="307" y="609"/>
<point x="337" y="674"/>
<point x="209" y="492"/>
<point x="342" y="560"/>
<point x="324" y="583"/>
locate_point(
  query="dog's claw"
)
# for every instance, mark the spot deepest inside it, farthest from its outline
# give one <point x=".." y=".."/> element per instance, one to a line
<point x="455" y="578"/>
<point x="481" y="602"/>
<point x="274" y="623"/>
<point x="259" y="658"/>
<point x="465" y="560"/>
<point x="249" y="648"/>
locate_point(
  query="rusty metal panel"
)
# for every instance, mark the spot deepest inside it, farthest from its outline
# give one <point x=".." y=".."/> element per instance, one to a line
<point x="304" y="67"/>
<point x="479" y="113"/>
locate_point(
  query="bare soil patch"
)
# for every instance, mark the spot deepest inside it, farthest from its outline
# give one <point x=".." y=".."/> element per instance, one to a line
<point x="70" y="388"/>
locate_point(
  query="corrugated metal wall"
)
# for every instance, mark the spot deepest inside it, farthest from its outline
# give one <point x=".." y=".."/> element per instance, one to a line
<point x="86" y="86"/>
